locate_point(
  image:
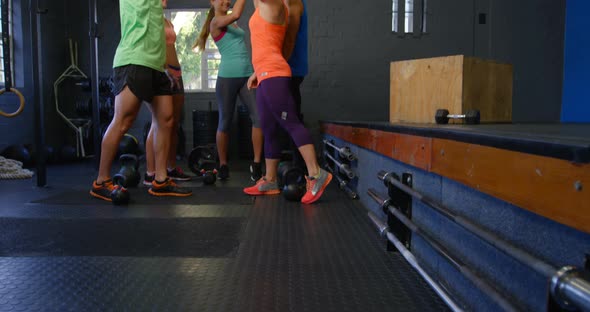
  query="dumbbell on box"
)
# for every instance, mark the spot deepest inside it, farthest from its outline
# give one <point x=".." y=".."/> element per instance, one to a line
<point x="471" y="117"/>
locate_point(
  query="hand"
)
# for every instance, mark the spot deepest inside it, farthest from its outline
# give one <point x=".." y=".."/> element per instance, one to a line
<point x="252" y="82"/>
<point x="174" y="81"/>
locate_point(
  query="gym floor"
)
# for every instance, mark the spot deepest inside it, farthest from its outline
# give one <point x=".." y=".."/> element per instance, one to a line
<point x="61" y="250"/>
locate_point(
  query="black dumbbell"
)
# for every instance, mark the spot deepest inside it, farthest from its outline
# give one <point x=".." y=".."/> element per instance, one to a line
<point x="128" y="175"/>
<point x="442" y="116"/>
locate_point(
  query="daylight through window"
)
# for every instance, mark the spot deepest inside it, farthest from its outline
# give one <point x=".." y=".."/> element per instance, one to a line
<point x="199" y="68"/>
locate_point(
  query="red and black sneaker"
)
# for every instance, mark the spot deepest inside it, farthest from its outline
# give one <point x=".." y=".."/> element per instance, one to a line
<point x="169" y="188"/>
<point x="178" y="175"/>
<point x="102" y="191"/>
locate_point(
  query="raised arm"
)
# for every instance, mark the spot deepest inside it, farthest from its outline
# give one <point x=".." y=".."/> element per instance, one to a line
<point x="295" y="13"/>
<point x="223" y="21"/>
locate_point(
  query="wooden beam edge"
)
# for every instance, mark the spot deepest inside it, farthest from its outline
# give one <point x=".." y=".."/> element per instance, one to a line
<point x="529" y="189"/>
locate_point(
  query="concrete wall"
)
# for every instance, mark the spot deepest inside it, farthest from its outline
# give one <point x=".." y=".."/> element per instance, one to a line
<point x="351" y="46"/>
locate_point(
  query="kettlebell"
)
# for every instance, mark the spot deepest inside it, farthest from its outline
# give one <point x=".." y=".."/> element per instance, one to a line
<point x="120" y="196"/>
<point x="295" y="185"/>
<point x="128" y="175"/>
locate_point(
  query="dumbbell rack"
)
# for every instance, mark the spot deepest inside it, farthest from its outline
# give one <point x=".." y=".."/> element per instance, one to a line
<point x="340" y="169"/>
<point x="77" y="124"/>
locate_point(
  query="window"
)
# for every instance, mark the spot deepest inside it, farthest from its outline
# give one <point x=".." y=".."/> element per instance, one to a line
<point x="424" y="13"/>
<point x="2" y="42"/>
<point x="394" y="17"/>
<point x="199" y="68"/>
<point x="409" y="16"/>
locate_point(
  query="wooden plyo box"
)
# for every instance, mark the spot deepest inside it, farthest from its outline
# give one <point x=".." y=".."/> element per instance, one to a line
<point x="457" y="83"/>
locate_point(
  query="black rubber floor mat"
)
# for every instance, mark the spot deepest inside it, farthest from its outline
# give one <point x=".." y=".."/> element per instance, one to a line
<point x="138" y="237"/>
<point x="291" y="257"/>
<point x="140" y="196"/>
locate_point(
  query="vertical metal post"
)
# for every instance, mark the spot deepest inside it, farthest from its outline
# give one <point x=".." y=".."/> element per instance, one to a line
<point x="37" y="87"/>
<point x="93" y="33"/>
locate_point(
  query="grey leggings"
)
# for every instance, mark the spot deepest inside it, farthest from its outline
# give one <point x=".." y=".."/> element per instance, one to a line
<point x="227" y="91"/>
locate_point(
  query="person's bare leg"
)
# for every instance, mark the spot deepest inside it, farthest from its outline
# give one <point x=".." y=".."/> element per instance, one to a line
<point x="271" y="169"/>
<point x="257" y="143"/>
<point x="127" y="106"/>
<point x="222" y="139"/>
<point x="178" y="102"/>
<point x="309" y="156"/>
<point x="163" y="112"/>
<point x="150" y="161"/>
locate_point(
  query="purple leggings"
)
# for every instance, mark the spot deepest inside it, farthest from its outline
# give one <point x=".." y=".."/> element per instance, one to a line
<point x="277" y="108"/>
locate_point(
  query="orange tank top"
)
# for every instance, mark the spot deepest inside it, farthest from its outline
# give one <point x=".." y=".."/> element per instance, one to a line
<point x="267" y="47"/>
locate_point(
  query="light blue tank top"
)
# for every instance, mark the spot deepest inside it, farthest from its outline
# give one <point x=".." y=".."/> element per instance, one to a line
<point x="235" y="58"/>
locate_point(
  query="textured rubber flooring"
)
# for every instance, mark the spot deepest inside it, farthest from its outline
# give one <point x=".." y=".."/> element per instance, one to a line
<point x="284" y="256"/>
<point x="204" y="195"/>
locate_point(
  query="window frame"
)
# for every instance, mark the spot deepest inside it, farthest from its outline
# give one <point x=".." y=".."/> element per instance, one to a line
<point x="11" y="43"/>
<point x="204" y="72"/>
<point x="395" y="16"/>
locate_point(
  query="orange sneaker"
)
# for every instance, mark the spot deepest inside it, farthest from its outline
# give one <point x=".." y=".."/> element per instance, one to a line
<point x="168" y="188"/>
<point x="263" y="187"/>
<point x="103" y="190"/>
<point x="316" y="187"/>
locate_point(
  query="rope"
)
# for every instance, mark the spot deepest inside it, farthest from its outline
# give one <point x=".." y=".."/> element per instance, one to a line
<point x="12" y="169"/>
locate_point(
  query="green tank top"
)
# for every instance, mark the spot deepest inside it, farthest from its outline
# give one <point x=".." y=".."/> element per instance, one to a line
<point x="142" y="34"/>
<point x="235" y="58"/>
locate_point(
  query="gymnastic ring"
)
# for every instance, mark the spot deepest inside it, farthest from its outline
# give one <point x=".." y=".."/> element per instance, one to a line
<point x="22" y="103"/>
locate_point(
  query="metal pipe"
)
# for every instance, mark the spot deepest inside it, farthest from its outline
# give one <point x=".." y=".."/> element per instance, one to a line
<point x="37" y="87"/>
<point x="93" y="34"/>
<point x="344" y="168"/>
<point x="522" y="256"/>
<point x="414" y="263"/>
<point x="343" y="184"/>
<point x="343" y="152"/>
<point x="571" y="289"/>
<point x="381" y="226"/>
<point x="457" y="263"/>
<point x="384" y="232"/>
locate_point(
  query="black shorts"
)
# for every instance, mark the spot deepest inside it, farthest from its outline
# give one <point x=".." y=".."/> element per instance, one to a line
<point x="178" y="86"/>
<point x="144" y="82"/>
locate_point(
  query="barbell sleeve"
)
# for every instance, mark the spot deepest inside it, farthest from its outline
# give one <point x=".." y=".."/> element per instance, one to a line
<point x="343" y="152"/>
<point x="344" y="168"/>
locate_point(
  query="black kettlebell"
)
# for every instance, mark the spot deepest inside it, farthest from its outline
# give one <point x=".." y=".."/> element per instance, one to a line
<point x="209" y="176"/>
<point x="120" y="196"/>
<point x="295" y="184"/>
<point x="128" y="175"/>
<point x="283" y="168"/>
